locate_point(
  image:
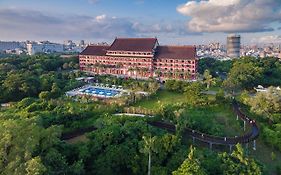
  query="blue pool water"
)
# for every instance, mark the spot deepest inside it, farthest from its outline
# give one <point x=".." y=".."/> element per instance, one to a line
<point x="100" y="91"/>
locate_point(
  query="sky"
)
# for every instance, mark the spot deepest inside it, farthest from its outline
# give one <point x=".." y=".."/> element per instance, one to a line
<point x="175" y="22"/>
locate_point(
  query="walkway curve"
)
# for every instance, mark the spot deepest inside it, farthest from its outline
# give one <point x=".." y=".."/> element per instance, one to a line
<point x="210" y="139"/>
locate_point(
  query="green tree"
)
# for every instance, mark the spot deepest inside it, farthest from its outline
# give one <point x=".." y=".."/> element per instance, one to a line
<point x="194" y="95"/>
<point x="35" y="166"/>
<point x="55" y="90"/>
<point x="45" y="95"/>
<point x="208" y="78"/>
<point x="190" y="166"/>
<point x="20" y="144"/>
<point x="267" y="103"/>
<point x="149" y="147"/>
<point x="243" y="74"/>
<point x="238" y="163"/>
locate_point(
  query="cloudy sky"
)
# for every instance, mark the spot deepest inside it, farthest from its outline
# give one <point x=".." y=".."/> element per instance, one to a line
<point x="172" y="21"/>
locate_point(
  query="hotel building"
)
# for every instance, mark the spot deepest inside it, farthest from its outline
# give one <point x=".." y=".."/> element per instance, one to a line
<point x="140" y="58"/>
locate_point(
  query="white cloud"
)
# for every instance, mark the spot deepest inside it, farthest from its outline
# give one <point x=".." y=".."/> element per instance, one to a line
<point x="267" y="39"/>
<point x="231" y="15"/>
<point x="100" y="18"/>
<point x="18" y="24"/>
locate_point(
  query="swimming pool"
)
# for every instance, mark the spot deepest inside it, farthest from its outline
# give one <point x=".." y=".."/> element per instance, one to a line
<point x="100" y="92"/>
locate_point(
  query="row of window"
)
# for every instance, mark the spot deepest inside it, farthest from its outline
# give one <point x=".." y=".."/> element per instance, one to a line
<point x="171" y="69"/>
<point x="160" y="69"/>
<point x="142" y="59"/>
<point x="174" y="61"/>
<point x="130" y="62"/>
<point x="139" y="64"/>
<point x="174" y="65"/>
<point x="117" y="59"/>
<point x="130" y="53"/>
<point x="115" y="63"/>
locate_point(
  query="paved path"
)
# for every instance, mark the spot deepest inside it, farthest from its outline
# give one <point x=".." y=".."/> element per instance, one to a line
<point x="210" y="139"/>
<point x="134" y="115"/>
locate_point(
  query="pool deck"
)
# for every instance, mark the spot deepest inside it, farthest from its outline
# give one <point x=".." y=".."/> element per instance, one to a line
<point x="80" y="91"/>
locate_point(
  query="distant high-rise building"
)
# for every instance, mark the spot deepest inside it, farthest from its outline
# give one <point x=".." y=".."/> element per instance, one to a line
<point x="43" y="47"/>
<point x="69" y="45"/>
<point x="9" y="45"/>
<point x="82" y="43"/>
<point x="233" y="46"/>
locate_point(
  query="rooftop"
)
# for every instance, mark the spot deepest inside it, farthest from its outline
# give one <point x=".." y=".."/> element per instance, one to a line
<point x="133" y="44"/>
<point x="143" y="45"/>
<point x="178" y="52"/>
<point x="95" y="50"/>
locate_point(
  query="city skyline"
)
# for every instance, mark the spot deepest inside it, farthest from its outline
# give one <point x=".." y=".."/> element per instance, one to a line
<point x="173" y="22"/>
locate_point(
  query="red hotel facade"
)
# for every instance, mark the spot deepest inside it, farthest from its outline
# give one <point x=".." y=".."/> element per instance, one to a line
<point x="140" y="58"/>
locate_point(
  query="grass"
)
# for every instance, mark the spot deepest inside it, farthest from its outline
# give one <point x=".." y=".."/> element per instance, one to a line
<point x="162" y="97"/>
<point x="214" y="88"/>
<point x="264" y="151"/>
<point x="221" y="114"/>
<point x="263" y="155"/>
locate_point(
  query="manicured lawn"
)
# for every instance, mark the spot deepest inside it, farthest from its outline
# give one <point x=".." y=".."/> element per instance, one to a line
<point x="162" y="97"/>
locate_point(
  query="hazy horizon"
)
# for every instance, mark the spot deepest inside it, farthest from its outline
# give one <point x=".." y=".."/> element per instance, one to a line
<point x="172" y="22"/>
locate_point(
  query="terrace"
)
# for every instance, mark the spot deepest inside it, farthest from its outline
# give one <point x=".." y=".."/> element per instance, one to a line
<point x="98" y="90"/>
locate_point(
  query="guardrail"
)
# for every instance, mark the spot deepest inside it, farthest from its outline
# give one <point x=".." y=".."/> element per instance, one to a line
<point x="210" y="139"/>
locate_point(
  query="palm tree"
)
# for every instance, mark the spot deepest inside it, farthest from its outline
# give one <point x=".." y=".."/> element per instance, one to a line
<point x="170" y="73"/>
<point x="177" y="73"/>
<point x="144" y="70"/>
<point x="208" y="78"/>
<point x="186" y="74"/>
<point x="149" y="147"/>
<point x="130" y="69"/>
<point x="158" y="73"/>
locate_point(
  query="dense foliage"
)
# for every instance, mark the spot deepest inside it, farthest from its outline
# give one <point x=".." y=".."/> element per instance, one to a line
<point x="249" y="72"/>
<point x="27" y="76"/>
<point x="216" y="67"/>
<point x="267" y="107"/>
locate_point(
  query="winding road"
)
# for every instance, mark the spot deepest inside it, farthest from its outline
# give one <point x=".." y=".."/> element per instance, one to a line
<point x="250" y="136"/>
<point x="215" y="140"/>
